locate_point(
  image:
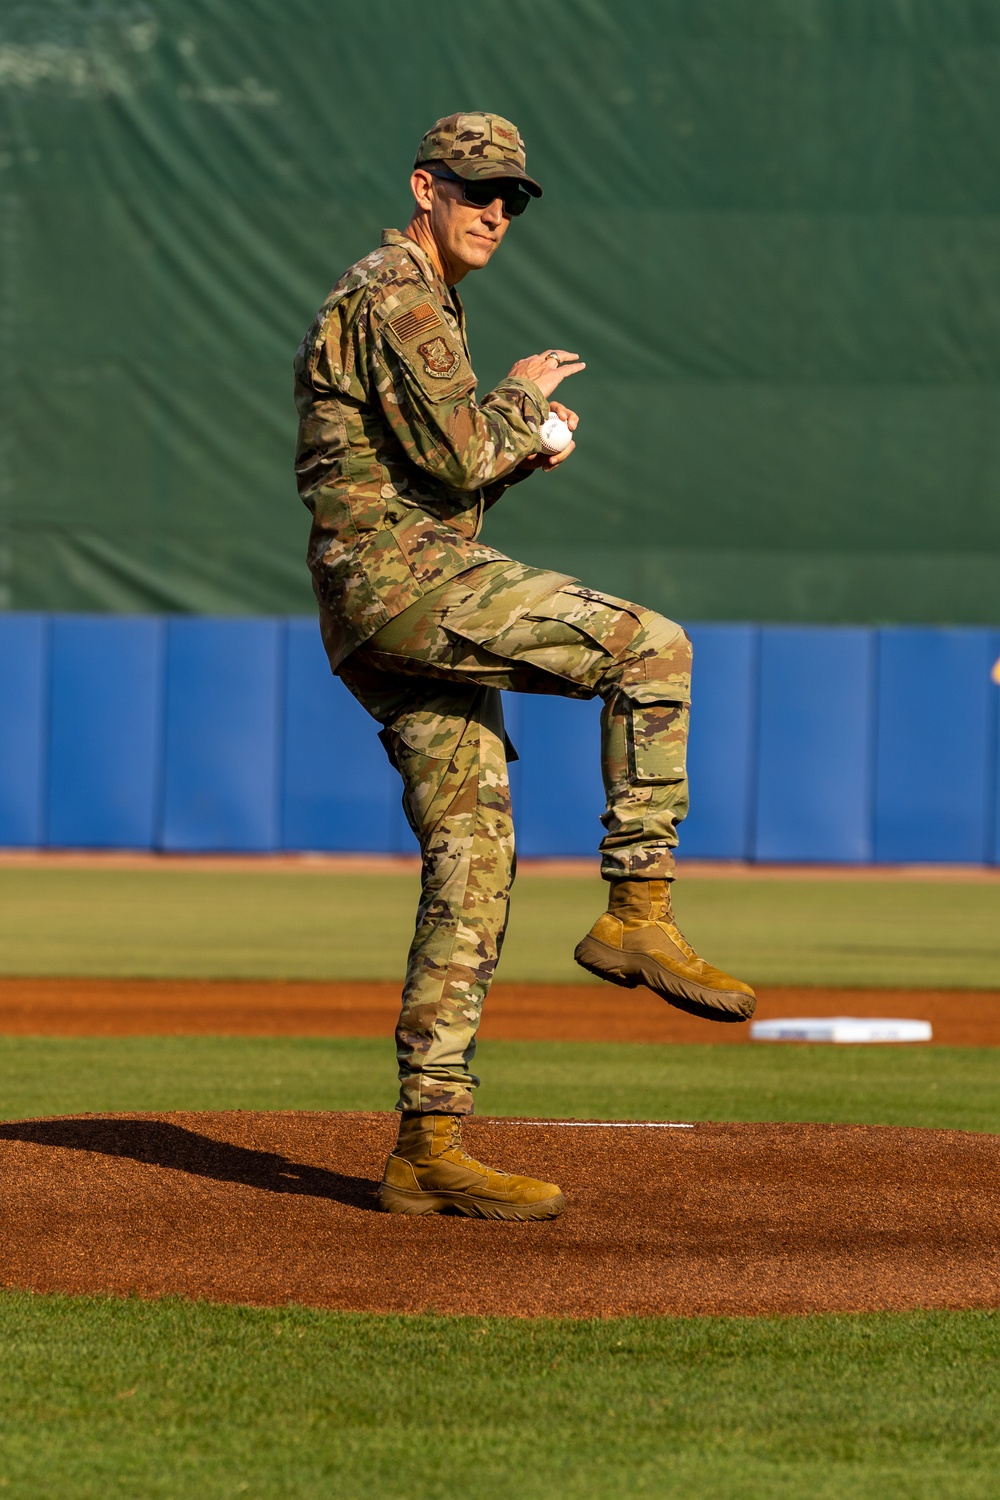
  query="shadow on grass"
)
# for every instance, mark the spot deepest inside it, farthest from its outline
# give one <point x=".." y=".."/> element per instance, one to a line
<point x="156" y="1143"/>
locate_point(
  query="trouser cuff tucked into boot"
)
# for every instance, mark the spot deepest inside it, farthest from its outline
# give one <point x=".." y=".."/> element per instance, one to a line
<point x="650" y="862"/>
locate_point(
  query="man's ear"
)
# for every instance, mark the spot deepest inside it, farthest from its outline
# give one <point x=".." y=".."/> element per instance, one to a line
<point x="422" y="186"/>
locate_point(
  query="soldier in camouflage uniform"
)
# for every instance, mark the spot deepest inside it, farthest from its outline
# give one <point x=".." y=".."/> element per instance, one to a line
<point x="398" y="460"/>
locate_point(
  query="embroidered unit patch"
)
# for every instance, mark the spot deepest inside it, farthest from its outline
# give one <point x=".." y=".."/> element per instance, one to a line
<point x="414" y="322"/>
<point x="440" y="359"/>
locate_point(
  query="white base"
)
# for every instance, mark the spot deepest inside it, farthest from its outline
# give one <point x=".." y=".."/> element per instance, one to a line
<point x="840" y="1029"/>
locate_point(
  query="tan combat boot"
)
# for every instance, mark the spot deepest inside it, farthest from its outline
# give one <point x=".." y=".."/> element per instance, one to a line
<point x="636" y="941"/>
<point x="429" y="1172"/>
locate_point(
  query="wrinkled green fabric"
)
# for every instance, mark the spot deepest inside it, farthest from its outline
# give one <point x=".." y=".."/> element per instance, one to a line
<point x="770" y="229"/>
<point x="432" y="678"/>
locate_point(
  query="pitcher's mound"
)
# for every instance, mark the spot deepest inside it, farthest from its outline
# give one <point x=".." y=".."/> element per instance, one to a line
<point x="272" y="1208"/>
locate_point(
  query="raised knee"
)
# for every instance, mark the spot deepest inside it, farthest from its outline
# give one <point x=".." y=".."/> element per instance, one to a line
<point x="660" y="654"/>
<point x="671" y="640"/>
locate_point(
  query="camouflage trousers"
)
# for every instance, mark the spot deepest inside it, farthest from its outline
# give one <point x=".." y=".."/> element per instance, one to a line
<point x="432" y="677"/>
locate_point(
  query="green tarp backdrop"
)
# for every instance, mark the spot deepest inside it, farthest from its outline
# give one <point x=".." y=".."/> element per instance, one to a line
<point x="772" y="228"/>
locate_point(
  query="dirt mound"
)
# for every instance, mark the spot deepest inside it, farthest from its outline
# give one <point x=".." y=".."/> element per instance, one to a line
<point x="586" y="1012"/>
<point x="273" y="1208"/>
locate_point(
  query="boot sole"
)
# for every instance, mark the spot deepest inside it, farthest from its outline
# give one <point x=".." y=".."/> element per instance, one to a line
<point x="404" y="1201"/>
<point x="632" y="969"/>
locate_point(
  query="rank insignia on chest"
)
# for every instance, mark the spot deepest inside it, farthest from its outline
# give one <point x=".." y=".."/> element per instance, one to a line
<point x="440" y="359"/>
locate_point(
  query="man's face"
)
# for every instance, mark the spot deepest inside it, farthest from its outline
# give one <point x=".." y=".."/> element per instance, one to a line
<point x="466" y="237"/>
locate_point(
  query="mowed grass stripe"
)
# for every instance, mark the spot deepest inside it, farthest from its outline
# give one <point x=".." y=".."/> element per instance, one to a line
<point x="197" y="923"/>
<point x="171" y="1400"/>
<point x="954" y="1088"/>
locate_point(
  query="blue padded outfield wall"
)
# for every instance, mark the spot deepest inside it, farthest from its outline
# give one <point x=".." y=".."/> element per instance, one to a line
<point x="822" y="743"/>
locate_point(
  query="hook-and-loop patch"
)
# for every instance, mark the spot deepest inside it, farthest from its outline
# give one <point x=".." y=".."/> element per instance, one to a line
<point x="420" y="336"/>
<point x="415" y="322"/>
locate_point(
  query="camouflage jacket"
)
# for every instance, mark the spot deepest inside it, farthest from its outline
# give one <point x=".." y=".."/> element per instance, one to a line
<point x="396" y="459"/>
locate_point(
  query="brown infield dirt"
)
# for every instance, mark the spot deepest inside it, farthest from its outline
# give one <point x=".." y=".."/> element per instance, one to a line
<point x="585" y="1012"/>
<point x="275" y="1208"/>
<point x="280" y="1207"/>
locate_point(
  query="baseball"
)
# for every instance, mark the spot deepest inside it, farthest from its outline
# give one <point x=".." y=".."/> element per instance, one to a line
<point x="554" y="435"/>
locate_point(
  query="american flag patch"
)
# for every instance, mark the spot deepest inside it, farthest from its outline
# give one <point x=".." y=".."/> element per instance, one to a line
<point x="415" y="322"/>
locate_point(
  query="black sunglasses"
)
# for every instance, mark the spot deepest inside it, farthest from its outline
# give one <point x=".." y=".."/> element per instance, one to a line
<point x="481" y="194"/>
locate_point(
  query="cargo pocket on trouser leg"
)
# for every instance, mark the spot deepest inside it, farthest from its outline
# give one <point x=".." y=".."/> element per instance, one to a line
<point x="656" y="731"/>
<point x="422" y="744"/>
<point x="645" y="769"/>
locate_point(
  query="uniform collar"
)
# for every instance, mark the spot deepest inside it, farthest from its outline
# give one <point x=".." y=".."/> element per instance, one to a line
<point x="423" y="263"/>
<point x="446" y="295"/>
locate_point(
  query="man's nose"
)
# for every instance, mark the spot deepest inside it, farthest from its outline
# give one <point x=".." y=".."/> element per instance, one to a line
<point x="493" y="215"/>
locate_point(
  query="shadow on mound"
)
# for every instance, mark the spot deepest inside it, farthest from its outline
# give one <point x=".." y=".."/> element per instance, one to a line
<point x="157" y="1143"/>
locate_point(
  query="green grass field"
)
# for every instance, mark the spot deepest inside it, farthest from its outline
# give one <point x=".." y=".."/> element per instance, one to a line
<point x="176" y="1401"/>
<point x="946" y="1087"/>
<point x="310" y="925"/>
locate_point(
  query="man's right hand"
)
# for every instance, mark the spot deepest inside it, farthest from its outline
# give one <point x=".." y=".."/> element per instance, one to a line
<point x="546" y="370"/>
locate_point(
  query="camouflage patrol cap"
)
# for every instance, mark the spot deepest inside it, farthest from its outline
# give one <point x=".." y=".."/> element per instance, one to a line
<point x="477" y="146"/>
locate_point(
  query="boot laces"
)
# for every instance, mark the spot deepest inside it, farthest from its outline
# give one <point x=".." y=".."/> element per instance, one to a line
<point x="460" y="1156"/>
<point x="681" y="941"/>
<point x="669" y="920"/>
